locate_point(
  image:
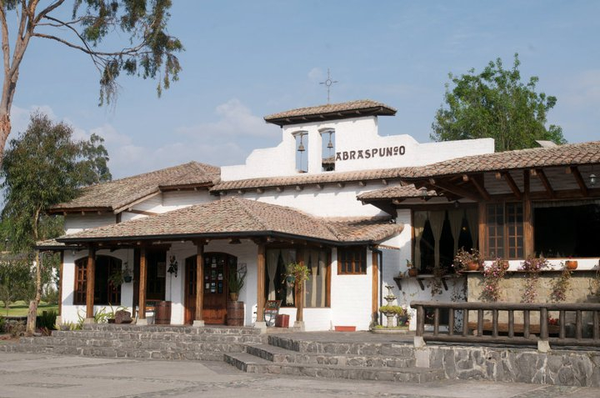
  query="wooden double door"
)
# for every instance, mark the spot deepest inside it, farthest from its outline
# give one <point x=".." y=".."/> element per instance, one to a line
<point x="217" y="267"/>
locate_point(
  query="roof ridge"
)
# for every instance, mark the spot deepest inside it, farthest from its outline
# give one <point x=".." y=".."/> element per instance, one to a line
<point x="243" y="204"/>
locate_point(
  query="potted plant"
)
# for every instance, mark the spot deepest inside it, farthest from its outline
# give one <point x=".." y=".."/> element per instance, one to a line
<point x="560" y="286"/>
<point x="412" y="270"/>
<point x="571" y="264"/>
<point x="467" y="261"/>
<point x="299" y="273"/>
<point x="236" y="282"/>
<point x="116" y="278"/>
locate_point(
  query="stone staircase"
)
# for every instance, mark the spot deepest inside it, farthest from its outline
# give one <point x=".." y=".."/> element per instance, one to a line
<point x="341" y="360"/>
<point x="143" y="342"/>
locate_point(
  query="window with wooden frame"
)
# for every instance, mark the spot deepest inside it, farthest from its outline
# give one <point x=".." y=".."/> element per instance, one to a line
<point x="104" y="292"/>
<point x="505" y="230"/>
<point x="352" y="260"/>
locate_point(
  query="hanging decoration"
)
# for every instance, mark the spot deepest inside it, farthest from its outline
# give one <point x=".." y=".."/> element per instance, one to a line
<point x="172" y="266"/>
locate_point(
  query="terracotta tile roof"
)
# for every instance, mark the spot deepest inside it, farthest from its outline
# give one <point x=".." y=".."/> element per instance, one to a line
<point x="331" y="111"/>
<point x="561" y="155"/>
<point x="53" y="244"/>
<point x="372" y="229"/>
<point x="239" y="217"/>
<point x="395" y="191"/>
<point x="306" y="179"/>
<point x="116" y="194"/>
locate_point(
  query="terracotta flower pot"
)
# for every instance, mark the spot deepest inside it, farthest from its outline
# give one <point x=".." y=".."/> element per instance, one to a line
<point x="473" y="266"/>
<point x="413" y="272"/>
<point x="571" y="264"/>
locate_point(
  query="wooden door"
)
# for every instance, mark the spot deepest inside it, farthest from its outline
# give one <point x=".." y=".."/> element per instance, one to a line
<point x="216" y="293"/>
<point x="216" y="271"/>
<point x="190" y="290"/>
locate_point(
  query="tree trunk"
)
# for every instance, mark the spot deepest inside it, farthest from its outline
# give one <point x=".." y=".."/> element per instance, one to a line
<point x="33" y="305"/>
<point x="5" y="127"/>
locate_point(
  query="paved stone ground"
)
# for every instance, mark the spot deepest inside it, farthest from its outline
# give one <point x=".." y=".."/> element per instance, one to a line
<point x="35" y="375"/>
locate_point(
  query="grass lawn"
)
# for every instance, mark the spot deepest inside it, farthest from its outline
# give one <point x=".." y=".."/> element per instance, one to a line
<point x="20" y="308"/>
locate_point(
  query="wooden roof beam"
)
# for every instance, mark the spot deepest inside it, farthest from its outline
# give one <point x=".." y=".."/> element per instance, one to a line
<point x="479" y="184"/>
<point x="464" y="193"/>
<point x="577" y="174"/>
<point x="545" y="182"/>
<point x="512" y="184"/>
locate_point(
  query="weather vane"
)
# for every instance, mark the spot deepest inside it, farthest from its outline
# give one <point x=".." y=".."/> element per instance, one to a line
<point x="328" y="83"/>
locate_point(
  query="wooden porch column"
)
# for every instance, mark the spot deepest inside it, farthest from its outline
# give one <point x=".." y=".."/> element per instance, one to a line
<point x="260" y="286"/>
<point x="482" y="217"/>
<point x="60" y="275"/>
<point x="375" y="286"/>
<point x="90" y="280"/>
<point x="527" y="217"/>
<point x="143" y="279"/>
<point x="199" y="316"/>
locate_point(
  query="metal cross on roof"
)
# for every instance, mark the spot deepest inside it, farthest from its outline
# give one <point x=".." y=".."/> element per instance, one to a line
<point x="328" y="83"/>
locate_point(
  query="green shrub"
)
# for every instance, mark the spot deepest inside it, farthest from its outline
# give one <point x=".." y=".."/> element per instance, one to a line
<point x="47" y="320"/>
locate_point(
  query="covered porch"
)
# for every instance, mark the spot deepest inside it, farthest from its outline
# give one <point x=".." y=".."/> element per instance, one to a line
<point x="186" y="256"/>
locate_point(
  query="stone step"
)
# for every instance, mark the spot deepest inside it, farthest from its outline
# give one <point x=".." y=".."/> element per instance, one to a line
<point x="252" y="364"/>
<point x="281" y="355"/>
<point x="168" y="336"/>
<point x="110" y="352"/>
<point x="404" y="350"/>
<point x="172" y="329"/>
<point x="159" y="345"/>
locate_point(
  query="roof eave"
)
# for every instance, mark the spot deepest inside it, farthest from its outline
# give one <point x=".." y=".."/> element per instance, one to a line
<point x="327" y="116"/>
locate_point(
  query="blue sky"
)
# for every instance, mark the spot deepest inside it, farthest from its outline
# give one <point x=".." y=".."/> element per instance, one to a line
<point x="248" y="59"/>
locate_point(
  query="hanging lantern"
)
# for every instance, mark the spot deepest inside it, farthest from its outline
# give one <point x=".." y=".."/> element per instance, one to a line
<point x="330" y="144"/>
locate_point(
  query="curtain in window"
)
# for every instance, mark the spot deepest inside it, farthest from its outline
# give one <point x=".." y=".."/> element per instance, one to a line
<point x="323" y="280"/>
<point x="272" y="257"/>
<point x="436" y="220"/>
<point x="288" y="257"/>
<point x="420" y="218"/>
<point x="473" y="221"/>
<point x="314" y="268"/>
<point x="455" y="217"/>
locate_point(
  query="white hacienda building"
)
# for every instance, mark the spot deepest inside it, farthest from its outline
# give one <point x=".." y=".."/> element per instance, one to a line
<point x="351" y="205"/>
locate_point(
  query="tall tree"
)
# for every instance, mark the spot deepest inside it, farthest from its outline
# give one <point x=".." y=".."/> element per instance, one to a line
<point x="42" y="167"/>
<point x="496" y="104"/>
<point x="150" y="51"/>
<point x="15" y="278"/>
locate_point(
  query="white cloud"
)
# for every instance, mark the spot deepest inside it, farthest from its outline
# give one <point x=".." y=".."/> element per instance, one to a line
<point x="216" y="143"/>
<point x="236" y="120"/>
<point x="19" y="117"/>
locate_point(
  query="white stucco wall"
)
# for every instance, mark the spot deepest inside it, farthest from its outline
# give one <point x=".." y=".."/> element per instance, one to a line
<point x="331" y="201"/>
<point x="358" y="146"/>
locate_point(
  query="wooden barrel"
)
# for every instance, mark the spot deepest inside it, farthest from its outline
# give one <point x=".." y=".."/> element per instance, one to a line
<point x="163" y="313"/>
<point x="235" y="313"/>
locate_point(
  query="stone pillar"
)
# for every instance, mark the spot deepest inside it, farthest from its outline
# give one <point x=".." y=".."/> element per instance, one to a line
<point x="199" y="316"/>
<point x="142" y="294"/>
<point x="90" y="281"/>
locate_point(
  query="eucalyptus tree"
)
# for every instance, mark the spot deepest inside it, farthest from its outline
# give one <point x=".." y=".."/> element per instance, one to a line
<point x="45" y="166"/>
<point x="149" y="52"/>
<point x="496" y="104"/>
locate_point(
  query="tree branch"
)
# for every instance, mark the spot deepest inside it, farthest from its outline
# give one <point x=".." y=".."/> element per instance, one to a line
<point x="86" y="48"/>
<point x="48" y="10"/>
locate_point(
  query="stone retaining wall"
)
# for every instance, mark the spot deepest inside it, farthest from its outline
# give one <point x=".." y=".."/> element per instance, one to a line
<point x="559" y="367"/>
